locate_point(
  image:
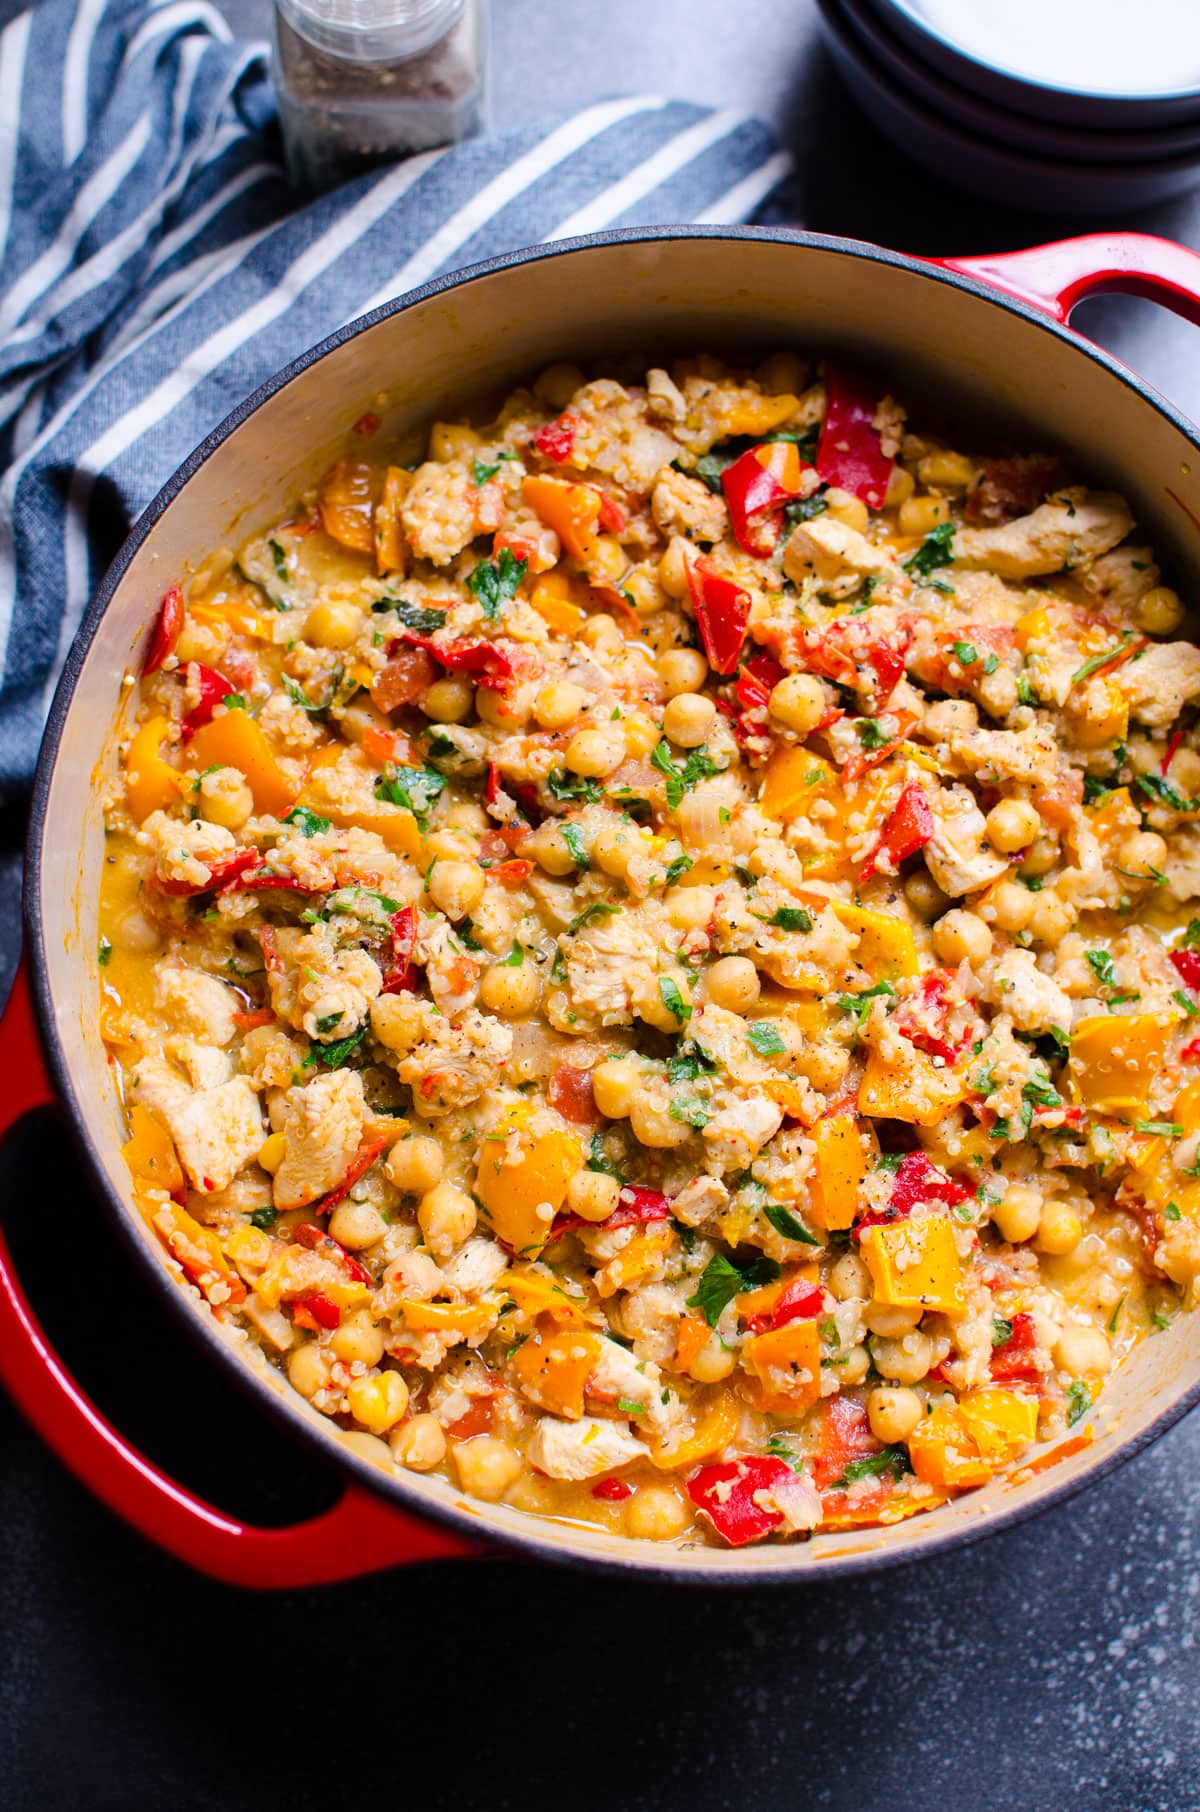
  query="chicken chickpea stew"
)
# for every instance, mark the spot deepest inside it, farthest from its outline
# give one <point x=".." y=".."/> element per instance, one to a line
<point x="649" y="953"/>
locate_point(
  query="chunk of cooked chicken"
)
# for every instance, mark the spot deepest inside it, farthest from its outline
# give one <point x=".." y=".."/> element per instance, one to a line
<point x="216" y="1130"/>
<point x="583" y="1449"/>
<point x="1070" y="530"/>
<point x="323" y="1123"/>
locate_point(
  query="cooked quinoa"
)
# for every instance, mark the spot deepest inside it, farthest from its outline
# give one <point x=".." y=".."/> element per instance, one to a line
<point x="649" y="953"/>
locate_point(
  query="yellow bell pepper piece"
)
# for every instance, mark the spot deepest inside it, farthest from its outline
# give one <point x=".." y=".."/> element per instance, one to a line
<point x="945" y="1454"/>
<point x="150" y="1152"/>
<point x="233" y="740"/>
<point x="536" y="1294"/>
<point x="552" y="1370"/>
<point x="792" y="780"/>
<point x="640" y="1258"/>
<point x="914" y="1264"/>
<point x="151" y="784"/>
<point x="785" y="1368"/>
<point x="886" y="946"/>
<point x="1034" y="626"/>
<point x="913" y="1090"/>
<point x="1186" y="1111"/>
<point x="759" y="414"/>
<point x="553" y="604"/>
<point x="522" y="1180"/>
<point x="715" y="1422"/>
<point x="571" y="510"/>
<point x="691" y="1337"/>
<point x="1002" y="1421"/>
<point x="842" y="1164"/>
<point x="470" y="1319"/>
<point x="1114" y="1059"/>
<point x="197" y="1250"/>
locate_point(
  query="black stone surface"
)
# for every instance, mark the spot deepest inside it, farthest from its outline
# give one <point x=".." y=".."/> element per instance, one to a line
<point x="1055" y="1666"/>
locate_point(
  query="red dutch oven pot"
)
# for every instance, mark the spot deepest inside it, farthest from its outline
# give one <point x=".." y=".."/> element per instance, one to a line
<point x="989" y="336"/>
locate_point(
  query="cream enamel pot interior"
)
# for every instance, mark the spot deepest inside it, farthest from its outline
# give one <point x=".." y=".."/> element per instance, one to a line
<point x="938" y="336"/>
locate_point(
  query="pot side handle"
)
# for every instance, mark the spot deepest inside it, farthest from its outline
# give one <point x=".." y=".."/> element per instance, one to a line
<point x="1057" y="277"/>
<point x="359" y="1534"/>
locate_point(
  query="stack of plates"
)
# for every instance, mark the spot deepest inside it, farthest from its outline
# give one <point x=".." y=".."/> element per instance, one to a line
<point x="1061" y="105"/>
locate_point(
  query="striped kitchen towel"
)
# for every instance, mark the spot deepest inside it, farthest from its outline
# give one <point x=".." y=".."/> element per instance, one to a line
<point x="155" y="267"/>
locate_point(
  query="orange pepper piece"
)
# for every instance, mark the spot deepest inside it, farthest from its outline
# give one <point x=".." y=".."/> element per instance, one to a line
<point x="552" y="1370"/>
<point x="571" y="510"/>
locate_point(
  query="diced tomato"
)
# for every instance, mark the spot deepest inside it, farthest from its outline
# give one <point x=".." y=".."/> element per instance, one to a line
<point x="612" y="516"/>
<point x="1190" y="1052"/>
<point x="908" y="829"/>
<point x="400" y="975"/>
<point x="525" y="795"/>
<point x="409" y="673"/>
<point x="361" y="1162"/>
<point x="222" y="874"/>
<point x="861" y="764"/>
<point x="1016" y="1361"/>
<point x="1173" y="742"/>
<point x="842" y="653"/>
<point x="570" y="1091"/>
<point x="262" y="880"/>
<point x="722" y="610"/>
<point x="1013" y="487"/>
<point x="511" y="874"/>
<point x="1186" y="964"/>
<point x="212" y="687"/>
<point x="634" y="1206"/>
<point x="320" y="1312"/>
<point x="462" y="657"/>
<point x="844" y="1435"/>
<point x="317" y="1240"/>
<point x="800" y="1301"/>
<point x="612" y="1491"/>
<point x="556" y="440"/>
<point x="167" y="630"/>
<point x="477" y="1420"/>
<point x="248" y="1022"/>
<point x="850" y="454"/>
<point x="918" y="1179"/>
<point x="726" y="1495"/>
<point x="924" y="1018"/>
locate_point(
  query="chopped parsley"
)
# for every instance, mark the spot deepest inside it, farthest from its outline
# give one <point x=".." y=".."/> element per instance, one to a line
<point x="513" y="960"/>
<point x="1002" y="1331"/>
<point x="263" y="1218"/>
<point x="484" y="469"/>
<point x="306" y="822"/>
<point x="280" y="559"/>
<point x="413" y="788"/>
<point x="680" y="780"/>
<point x="1163" y="793"/>
<point x="966" y="654"/>
<point x="935" y="551"/>
<point x="688" y="1062"/>
<point x="104" y="953"/>
<point x="860" y="1004"/>
<point x="805" y="508"/>
<point x="1172" y="1212"/>
<point x="1101" y="660"/>
<point x="678" y="867"/>
<point x="766" y="1038"/>
<point x="1079" y="1401"/>
<point x="572" y="836"/>
<point x="785" y="1223"/>
<point x="598" y="909"/>
<point x="721" y="1281"/>
<point x="422" y="619"/>
<point x="494" y="582"/>
<point x="689" y="1110"/>
<point x="673" y="1000"/>
<point x="870" y="735"/>
<point x="788" y="918"/>
<point x="334" y="1055"/>
<point x="1160" y="1129"/>
<point x="571" y="786"/>
<point x="874" y="1465"/>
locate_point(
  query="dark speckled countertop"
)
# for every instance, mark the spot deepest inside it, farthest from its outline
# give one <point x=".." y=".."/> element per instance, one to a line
<point x="1054" y="1666"/>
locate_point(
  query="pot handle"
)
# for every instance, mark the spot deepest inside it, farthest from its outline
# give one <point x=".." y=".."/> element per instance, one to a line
<point x="361" y="1533"/>
<point x="1058" y="276"/>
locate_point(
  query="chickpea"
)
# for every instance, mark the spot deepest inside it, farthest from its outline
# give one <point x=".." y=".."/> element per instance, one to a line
<point x="448" y="701"/>
<point x="379" y="1402"/>
<point x="368" y="1447"/>
<point x="592" y="1195"/>
<point x="332" y="624"/>
<point x="549" y="849"/>
<point x="615" y="1082"/>
<point x="596" y="753"/>
<point x="798" y="703"/>
<point x="892" y="1319"/>
<point x="653" y="1009"/>
<point x="1009" y="906"/>
<point x="893" y="1412"/>
<point x="510" y="990"/>
<point x="850" y="1278"/>
<point x="656" y="1513"/>
<point x="733" y="982"/>
<point x="134" y="932"/>
<point x="901" y="486"/>
<point x="1099" y="713"/>
<point x="653" y="1125"/>
<point x="358" y="1339"/>
<point x="961" y="936"/>
<point x="1052" y="918"/>
<point x="447" y="440"/>
<point x="414" y="1165"/>
<point x="225" y="798"/>
<point x="602" y="634"/>
<point x="903" y="1361"/>
<point x="689" y="907"/>
<point x="1160" y="611"/>
<point x="952" y="471"/>
<point x="449" y="845"/>
<point x="845" y="507"/>
<point x="644" y="589"/>
<point x="1012" y="825"/>
<point x="447" y="1218"/>
<point x="921" y="515"/>
<point x="673" y="568"/>
<point x="1184" y="771"/>
<point x="712" y="1362"/>
<point x="688" y="719"/>
<point x="308" y="1369"/>
<point x="1141" y="852"/>
<point x="614" y="848"/>
<point x="1042" y="855"/>
<point x="419" y="1444"/>
<point x="607" y="561"/>
<point x="1019" y="1215"/>
<point x="557" y="384"/>
<point x="1084" y="1352"/>
<point x="925" y="896"/>
<point x="1059" y="1229"/>
<point x="356" y="1225"/>
<point x="504" y="710"/>
<point x="456" y="888"/>
<point x="558" y="704"/>
<point x="854" y="1366"/>
<point x="682" y="670"/>
<point x="486" y="1467"/>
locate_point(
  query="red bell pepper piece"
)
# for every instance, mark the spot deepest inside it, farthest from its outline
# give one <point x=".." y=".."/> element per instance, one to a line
<point x="800" y="1301"/>
<point x="1190" y="1052"/>
<point x="316" y="1311"/>
<point x="1186" y="964"/>
<point x="908" y="829"/>
<point x="222" y="874"/>
<point x="263" y="881"/>
<point x="511" y="874"/>
<point x="570" y="1091"/>
<point x="463" y="657"/>
<point x="844" y="1435"/>
<point x="634" y="1205"/>
<point x="399" y="977"/>
<point x="250" y="1021"/>
<point x="725" y="1494"/>
<point x="524" y="794"/>
<point x="556" y="440"/>
<point x="1015" y="1362"/>
<point x="1173" y="742"/>
<point x="612" y="517"/>
<point x="924" y="1019"/>
<point x="850" y="454"/>
<point x="757" y="679"/>
<point x="317" y="1240"/>
<point x="612" y="1491"/>
<point x="757" y="486"/>
<point x="722" y="610"/>
<point x="861" y="764"/>
<point x="213" y="687"/>
<point x="360" y="1163"/>
<point x="167" y="631"/>
<point x="918" y="1179"/>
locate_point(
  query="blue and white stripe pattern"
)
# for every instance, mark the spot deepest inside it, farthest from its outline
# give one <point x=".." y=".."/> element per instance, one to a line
<point x="155" y="267"/>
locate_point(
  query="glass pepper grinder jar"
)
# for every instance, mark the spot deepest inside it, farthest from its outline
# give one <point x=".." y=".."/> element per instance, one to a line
<point x="362" y="82"/>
